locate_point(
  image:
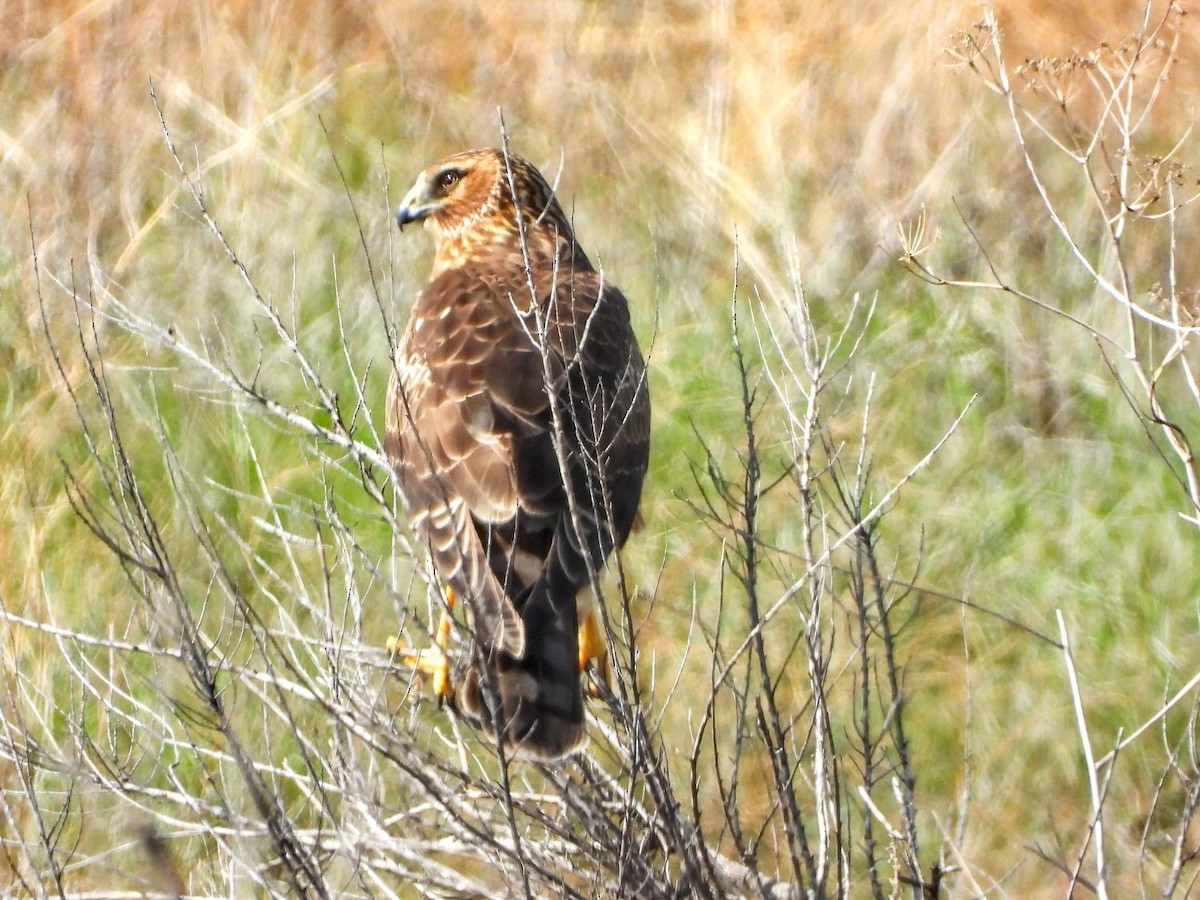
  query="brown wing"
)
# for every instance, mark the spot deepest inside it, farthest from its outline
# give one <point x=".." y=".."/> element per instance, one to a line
<point x="472" y="434"/>
<point x="451" y="438"/>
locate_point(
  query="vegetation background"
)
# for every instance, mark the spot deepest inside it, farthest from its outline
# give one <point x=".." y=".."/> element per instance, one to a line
<point x="792" y="137"/>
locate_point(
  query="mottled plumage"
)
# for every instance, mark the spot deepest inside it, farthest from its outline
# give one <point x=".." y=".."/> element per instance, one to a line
<point x="518" y="424"/>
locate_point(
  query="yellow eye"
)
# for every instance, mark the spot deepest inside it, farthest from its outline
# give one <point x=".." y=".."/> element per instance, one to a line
<point x="448" y="179"/>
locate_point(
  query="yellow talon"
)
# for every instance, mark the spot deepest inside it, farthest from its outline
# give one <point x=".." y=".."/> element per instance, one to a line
<point x="432" y="661"/>
<point x="593" y="648"/>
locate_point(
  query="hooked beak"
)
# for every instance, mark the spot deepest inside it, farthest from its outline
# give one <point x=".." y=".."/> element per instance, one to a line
<point x="416" y="205"/>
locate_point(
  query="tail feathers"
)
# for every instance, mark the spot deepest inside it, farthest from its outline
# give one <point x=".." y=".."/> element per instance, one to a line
<point x="535" y="702"/>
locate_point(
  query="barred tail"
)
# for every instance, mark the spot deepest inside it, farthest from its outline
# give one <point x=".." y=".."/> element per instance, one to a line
<point x="536" y="701"/>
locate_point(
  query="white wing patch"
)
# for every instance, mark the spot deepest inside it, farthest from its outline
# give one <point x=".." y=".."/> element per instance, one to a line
<point x="413" y="372"/>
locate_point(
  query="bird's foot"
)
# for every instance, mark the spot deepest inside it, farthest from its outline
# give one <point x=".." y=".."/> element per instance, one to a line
<point x="431" y="662"/>
<point x="592" y="648"/>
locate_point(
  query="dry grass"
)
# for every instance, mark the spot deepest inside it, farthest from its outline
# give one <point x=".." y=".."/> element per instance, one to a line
<point x="799" y="133"/>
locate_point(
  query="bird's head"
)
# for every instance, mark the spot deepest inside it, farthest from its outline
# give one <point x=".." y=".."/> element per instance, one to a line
<point x="451" y="190"/>
<point x="483" y="200"/>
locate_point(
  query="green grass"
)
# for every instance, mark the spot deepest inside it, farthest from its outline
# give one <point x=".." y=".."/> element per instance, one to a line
<point x="679" y="136"/>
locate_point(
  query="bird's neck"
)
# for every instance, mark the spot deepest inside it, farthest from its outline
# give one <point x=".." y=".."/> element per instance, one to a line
<point x="541" y="250"/>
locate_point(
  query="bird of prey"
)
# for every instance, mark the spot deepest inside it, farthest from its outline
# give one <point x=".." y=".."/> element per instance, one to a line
<point x="518" y="424"/>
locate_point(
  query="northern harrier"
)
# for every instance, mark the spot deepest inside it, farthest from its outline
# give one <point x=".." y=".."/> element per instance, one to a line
<point x="518" y="424"/>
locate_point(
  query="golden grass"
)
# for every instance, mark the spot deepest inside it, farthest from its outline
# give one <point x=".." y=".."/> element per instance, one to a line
<point x="681" y="128"/>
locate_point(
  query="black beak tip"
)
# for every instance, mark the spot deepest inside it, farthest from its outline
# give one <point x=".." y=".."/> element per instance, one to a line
<point x="406" y="215"/>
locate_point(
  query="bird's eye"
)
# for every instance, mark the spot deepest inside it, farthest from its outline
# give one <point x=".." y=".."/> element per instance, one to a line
<point x="448" y="179"/>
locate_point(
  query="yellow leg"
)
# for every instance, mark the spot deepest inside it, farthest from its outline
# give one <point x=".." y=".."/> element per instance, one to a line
<point x="432" y="661"/>
<point x="592" y="648"/>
